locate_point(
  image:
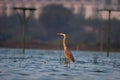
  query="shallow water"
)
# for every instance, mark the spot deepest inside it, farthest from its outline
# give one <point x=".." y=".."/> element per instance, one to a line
<point x="49" y="65"/>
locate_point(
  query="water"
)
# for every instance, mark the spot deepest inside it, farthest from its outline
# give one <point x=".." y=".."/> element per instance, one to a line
<point x="49" y="65"/>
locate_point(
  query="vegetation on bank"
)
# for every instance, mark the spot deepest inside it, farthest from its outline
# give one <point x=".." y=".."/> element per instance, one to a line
<point x="54" y="46"/>
<point x="56" y="18"/>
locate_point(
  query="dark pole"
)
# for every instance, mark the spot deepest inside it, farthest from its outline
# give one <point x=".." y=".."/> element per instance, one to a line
<point x="109" y="27"/>
<point x="109" y="31"/>
<point x="23" y="20"/>
<point x="23" y="30"/>
<point x="101" y="37"/>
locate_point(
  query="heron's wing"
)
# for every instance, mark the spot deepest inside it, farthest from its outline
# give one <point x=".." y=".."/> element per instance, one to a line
<point x="69" y="55"/>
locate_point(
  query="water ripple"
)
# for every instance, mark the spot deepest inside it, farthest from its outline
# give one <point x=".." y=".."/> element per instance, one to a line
<point x="46" y="65"/>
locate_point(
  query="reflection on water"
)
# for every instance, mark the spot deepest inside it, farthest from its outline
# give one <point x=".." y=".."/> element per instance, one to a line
<point x="49" y="65"/>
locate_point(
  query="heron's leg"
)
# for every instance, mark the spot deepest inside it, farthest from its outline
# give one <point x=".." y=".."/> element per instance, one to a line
<point x="69" y="63"/>
<point x="66" y="61"/>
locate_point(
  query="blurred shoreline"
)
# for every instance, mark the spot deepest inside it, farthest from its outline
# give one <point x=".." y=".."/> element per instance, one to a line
<point x="43" y="45"/>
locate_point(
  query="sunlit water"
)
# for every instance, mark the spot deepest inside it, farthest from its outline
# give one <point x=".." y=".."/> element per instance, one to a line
<point x="49" y="65"/>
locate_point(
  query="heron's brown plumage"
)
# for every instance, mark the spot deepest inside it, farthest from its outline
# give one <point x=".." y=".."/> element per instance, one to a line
<point x="68" y="55"/>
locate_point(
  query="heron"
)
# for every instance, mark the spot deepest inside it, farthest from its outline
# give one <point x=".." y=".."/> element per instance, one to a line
<point x="68" y="55"/>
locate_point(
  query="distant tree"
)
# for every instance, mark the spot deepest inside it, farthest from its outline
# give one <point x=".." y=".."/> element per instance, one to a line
<point x="55" y="18"/>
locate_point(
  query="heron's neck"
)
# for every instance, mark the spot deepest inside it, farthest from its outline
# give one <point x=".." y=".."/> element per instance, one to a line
<point x="64" y="43"/>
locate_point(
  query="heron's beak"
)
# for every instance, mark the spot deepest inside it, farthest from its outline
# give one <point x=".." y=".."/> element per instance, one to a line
<point x="58" y="34"/>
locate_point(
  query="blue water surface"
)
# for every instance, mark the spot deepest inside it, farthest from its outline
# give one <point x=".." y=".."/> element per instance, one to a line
<point x="38" y="64"/>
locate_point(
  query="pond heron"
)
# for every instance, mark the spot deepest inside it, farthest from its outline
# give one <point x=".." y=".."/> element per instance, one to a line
<point x="68" y="55"/>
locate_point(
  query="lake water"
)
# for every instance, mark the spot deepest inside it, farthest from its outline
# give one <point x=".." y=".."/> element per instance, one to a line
<point x="38" y="64"/>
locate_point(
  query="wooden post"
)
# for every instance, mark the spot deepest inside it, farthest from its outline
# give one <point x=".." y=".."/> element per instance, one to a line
<point x="109" y="27"/>
<point x="101" y="38"/>
<point x="23" y="30"/>
<point x="23" y="21"/>
<point x="109" y="31"/>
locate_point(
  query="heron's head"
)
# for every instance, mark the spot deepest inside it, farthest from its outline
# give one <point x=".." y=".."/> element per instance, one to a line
<point x="62" y="34"/>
